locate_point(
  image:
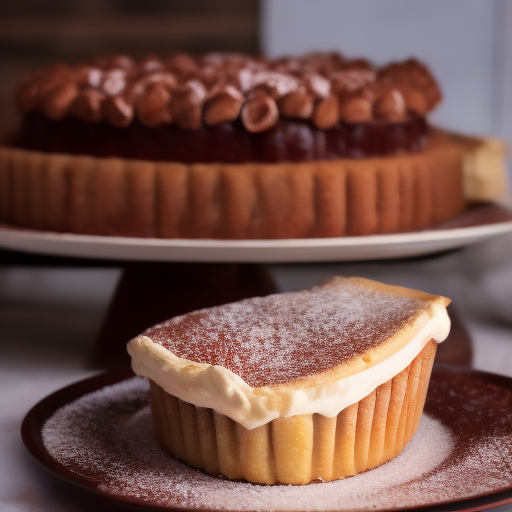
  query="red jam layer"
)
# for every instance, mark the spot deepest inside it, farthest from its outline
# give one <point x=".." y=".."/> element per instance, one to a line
<point x="287" y="141"/>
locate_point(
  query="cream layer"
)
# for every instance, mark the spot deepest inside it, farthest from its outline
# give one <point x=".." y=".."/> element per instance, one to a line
<point x="218" y="388"/>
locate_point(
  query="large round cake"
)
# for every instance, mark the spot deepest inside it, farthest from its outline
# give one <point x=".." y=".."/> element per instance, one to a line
<point x="236" y="147"/>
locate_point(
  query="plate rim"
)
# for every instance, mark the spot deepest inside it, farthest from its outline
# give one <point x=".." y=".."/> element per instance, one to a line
<point x="296" y="250"/>
<point x="426" y="235"/>
<point x="34" y="420"/>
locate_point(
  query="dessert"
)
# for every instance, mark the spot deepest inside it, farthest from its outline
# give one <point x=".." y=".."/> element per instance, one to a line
<point x="295" y="387"/>
<point x="236" y="147"/>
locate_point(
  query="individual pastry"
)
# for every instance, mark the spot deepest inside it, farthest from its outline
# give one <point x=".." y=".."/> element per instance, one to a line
<point x="230" y="146"/>
<point x="295" y="387"/>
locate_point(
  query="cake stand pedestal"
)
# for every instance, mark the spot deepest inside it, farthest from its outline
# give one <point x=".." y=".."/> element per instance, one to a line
<point x="149" y="293"/>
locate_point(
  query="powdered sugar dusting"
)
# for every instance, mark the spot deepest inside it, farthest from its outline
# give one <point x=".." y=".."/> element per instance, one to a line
<point x="289" y="336"/>
<point x="107" y="436"/>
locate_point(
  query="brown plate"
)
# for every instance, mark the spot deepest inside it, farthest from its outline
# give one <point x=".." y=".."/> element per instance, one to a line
<point x="97" y="434"/>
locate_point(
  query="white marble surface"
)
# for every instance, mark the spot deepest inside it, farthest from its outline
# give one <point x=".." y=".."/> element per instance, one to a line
<point x="49" y="319"/>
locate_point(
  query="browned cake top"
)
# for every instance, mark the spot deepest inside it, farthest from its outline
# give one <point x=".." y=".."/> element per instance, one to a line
<point x="286" y="337"/>
<point x="192" y="91"/>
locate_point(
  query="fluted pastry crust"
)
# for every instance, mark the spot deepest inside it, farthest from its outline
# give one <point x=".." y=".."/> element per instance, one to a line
<point x="345" y="197"/>
<point x="298" y="449"/>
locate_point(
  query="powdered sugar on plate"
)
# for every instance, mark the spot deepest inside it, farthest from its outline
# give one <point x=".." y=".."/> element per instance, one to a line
<point x="106" y="437"/>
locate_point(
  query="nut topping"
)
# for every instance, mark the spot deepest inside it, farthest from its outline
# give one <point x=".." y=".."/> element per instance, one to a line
<point x="117" y="111"/>
<point x="326" y="113"/>
<point x="215" y="88"/>
<point x="187" y="103"/>
<point x="87" y="106"/>
<point x="56" y="104"/>
<point x="296" y="104"/>
<point x="356" y="108"/>
<point x="390" y="106"/>
<point x="152" y="107"/>
<point x="225" y="106"/>
<point x="259" y="113"/>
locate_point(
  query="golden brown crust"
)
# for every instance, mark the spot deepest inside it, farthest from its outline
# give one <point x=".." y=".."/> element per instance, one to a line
<point x="384" y="350"/>
<point x="345" y="197"/>
<point x="298" y="449"/>
<point x="485" y="170"/>
<point x="399" y="291"/>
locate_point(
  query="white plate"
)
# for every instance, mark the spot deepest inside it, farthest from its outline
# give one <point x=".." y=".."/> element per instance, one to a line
<point x="358" y="248"/>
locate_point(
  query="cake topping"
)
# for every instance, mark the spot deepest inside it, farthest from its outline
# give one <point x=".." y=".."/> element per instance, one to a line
<point x="285" y="337"/>
<point x="259" y="113"/>
<point x="390" y="105"/>
<point x="217" y="88"/>
<point x="358" y="109"/>
<point x="224" y="106"/>
<point x="151" y="108"/>
<point x="297" y="104"/>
